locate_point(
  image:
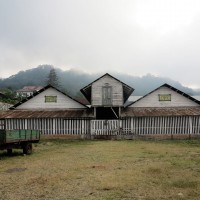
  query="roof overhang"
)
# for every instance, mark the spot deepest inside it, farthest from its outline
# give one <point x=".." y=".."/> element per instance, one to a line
<point x="160" y="111"/>
<point x="87" y="90"/>
<point x="29" y="114"/>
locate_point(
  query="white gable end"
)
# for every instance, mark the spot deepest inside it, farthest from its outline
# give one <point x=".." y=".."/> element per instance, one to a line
<point x="116" y="91"/>
<point x="168" y="98"/>
<point x="62" y="101"/>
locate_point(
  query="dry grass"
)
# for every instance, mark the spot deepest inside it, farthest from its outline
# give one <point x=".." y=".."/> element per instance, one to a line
<point x="62" y="169"/>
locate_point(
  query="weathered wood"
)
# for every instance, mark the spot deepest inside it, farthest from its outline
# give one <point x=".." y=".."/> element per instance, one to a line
<point x="105" y="127"/>
<point x="99" y="89"/>
<point x="38" y="101"/>
<point x="152" y="99"/>
<point x="4" y="106"/>
<point x="164" y="125"/>
<point x="51" y="126"/>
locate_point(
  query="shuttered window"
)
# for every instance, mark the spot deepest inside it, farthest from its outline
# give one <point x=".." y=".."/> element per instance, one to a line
<point x="107" y="95"/>
<point x="164" y="97"/>
<point x="50" y="99"/>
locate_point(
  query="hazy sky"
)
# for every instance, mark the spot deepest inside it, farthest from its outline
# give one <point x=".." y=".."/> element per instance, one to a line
<point x="161" y="37"/>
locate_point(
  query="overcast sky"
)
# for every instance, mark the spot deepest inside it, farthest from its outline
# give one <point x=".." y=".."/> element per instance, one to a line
<point x="161" y="37"/>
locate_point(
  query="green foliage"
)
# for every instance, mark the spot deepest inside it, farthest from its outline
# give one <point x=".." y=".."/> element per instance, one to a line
<point x="52" y="78"/>
<point x="72" y="81"/>
<point x="9" y="96"/>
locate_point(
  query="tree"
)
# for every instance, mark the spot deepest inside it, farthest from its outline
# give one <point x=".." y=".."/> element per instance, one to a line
<point x="53" y="78"/>
<point x="8" y="96"/>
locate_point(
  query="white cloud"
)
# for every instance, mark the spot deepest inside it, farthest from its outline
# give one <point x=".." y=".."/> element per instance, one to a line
<point x="136" y="37"/>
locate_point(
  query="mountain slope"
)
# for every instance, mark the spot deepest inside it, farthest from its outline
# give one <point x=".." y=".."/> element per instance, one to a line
<point x="72" y="81"/>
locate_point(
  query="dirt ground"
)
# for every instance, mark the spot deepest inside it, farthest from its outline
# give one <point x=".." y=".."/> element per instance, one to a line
<point x="61" y="169"/>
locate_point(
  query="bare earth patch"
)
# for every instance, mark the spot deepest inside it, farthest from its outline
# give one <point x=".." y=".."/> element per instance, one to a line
<point x="13" y="170"/>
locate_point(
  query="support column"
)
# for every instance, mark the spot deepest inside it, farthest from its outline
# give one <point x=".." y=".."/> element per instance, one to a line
<point x="95" y="113"/>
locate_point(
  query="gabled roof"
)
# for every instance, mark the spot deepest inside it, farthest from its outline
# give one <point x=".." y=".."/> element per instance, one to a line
<point x="127" y="90"/>
<point x="172" y="88"/>
<point x="40" y="91"/>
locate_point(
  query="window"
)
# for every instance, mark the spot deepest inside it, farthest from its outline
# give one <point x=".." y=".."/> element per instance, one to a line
<point x="50" y="99"/>
<point x="164" y="97"/>
<point x="107" y="95"/>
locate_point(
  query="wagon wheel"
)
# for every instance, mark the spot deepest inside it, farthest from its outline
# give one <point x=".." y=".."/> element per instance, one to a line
<point x="9" y="152"/>
<point x="27" y="148"/>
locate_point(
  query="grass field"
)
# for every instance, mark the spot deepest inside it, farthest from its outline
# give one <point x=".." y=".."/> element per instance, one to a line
<point x="65" y="169"/>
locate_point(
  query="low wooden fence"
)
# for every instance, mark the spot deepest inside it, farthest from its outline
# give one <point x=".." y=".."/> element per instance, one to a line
<point x="105" y="127"/>
<point x="50" y="126"/>
<point x="161" y="125"/>
<point x="133" y="126"/>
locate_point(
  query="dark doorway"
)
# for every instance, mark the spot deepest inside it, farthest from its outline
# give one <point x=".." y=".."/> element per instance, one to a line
<point x="107" y="113"/>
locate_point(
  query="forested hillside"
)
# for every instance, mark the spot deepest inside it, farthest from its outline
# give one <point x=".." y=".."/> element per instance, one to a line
<point x="71" y="81"/>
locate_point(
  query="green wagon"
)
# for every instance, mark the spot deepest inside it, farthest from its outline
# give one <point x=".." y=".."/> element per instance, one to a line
<point x="19" y="139"/>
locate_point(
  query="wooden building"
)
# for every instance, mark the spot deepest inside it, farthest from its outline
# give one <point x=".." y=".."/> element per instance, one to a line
<point x="164" y="112"/>
<point x="4" y="106"/>
<point x="107" y="96"/>
<point x="27" y="91"/>
<point x="50" y="111"/>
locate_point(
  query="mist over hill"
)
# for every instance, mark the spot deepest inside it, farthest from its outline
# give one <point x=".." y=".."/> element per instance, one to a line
<point x="71" y="81"/>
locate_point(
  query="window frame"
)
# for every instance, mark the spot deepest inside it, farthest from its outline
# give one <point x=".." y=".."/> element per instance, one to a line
<point x="164" y="97"/>
<point x="50" y="99"/>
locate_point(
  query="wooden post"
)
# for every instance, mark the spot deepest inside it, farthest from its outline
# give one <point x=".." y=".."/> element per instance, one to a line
<point x="119" y="112"/>
<point x="190" y="122"/>
<point x="95" y="113"/>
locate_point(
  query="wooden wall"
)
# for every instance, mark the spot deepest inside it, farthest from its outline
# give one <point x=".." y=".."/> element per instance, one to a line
<point x="4" y="106"/>
<point x="152" y="100"/>
<point x="135" y="126"/>
<point x="38" y="102"/>
<point x="50" y="126"/>
<point x="117" y="91"/>
<point x="162" y="125"/>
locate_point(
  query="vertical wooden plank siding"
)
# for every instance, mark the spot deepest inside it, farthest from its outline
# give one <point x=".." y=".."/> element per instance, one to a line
<point x="161" y="125"/>
<point x="2" y="124"/>
<point x="132" y="125"/>
<point x="51" y="126"/>
<point x="105" y="127"/>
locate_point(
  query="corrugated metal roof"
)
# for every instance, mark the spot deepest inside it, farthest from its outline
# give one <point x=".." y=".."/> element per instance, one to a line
<point x="82" y="113"/>
<point x="30" y="88"/>
<point x="175" y="111"/>
<point x="88" y="113"/>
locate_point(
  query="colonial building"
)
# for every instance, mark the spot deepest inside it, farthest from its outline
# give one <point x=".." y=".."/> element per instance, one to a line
<point x="27" y="91"/>
<point x="164" y="112"/>
<point x="107" y="96"/>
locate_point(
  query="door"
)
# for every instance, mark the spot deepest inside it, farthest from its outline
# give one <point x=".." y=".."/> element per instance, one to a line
<point x="107" y="95"/>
